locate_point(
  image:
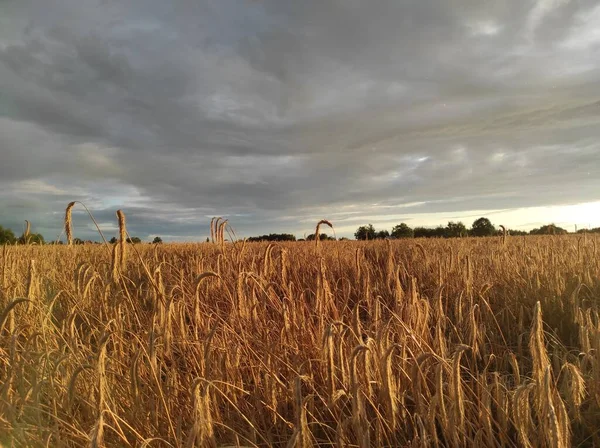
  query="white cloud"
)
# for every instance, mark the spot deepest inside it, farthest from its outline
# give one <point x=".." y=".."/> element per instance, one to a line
<point x="484" y="28"/>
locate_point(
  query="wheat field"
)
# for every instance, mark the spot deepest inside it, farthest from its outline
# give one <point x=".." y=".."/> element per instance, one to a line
<point x="483" y="342"/>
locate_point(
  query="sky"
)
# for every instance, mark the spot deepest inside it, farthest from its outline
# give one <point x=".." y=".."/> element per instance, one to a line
<point x="278" y="113"/>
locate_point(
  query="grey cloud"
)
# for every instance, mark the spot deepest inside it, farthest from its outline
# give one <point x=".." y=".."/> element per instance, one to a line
<point x="278" y="112"/>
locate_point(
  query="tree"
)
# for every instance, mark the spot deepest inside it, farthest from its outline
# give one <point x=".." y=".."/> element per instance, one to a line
<point x="402" y="231"/>
<point x="455" y="230"/>
<point x="549" y="229"/>
<point x="77" y="241"/>
<point x="113" y="240"/>
<point x="32" y="238"/>
<point x="134" y="240"/>
<point x="272" y="237"/>
<point x="382" y="235"/>
<point x="365" y="233"/>
<point x="157" y="240"/>
<point x="513" y="232"/>
<point x="483" y="227"/>
<point x="322" y="237"/>
<point x="594" y="230"/>
<point x="6" y="236"/>
<point x="424" y="232"/>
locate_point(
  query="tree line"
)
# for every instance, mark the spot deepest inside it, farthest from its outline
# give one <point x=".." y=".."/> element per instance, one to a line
<point x="7" y="236"/>
<point x="481" y="227"/>
<point x="594" y="230"/>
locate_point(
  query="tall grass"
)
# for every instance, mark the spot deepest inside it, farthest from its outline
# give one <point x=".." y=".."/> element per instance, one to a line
<point x="463" y="342"/>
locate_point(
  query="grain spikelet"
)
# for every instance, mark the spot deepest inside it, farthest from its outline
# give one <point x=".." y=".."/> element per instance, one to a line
<point x="522" y="413"/>
<point x="422" y="250"/>
<point x="301" y="436"/>
<point x="390" y="391"/>
<point x="8" y="309"/>
<point x="26" y="232"/>
<point x="221" y="232"/>
<point x="515" y="368"/>
<point x="197" y="302"/>
<point x="212" y="229"/>
<point x="573" y="388"/>
<point x="359" y="412"/>
<point x="31" y="285"/>
<point x="420" y="393"/>
<point x="202" y="434"/>
<point x="456" y="390"/>
<point x="328" y="349"/>
<point x="537" y="346"/>
<point x="69" y="223"/>
<point x="122" y="239"/>
<point x="283" y="262"/>
<point x="70" y="397"/>
<point x="551" y="427"/>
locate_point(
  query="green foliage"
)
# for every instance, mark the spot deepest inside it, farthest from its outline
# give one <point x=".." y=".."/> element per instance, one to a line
<point x="273" y="237"/>
<point x="425" y="232"/>
<point x="382" y="235"/>
<point x="549" y="229"/>
<point x="113" y="240"/>
<point x="594" y="230"/>
<point x="483" y="227"/>
<point x="517" y="232"/>
<point x="32" y="238"/>
<point x="455" y="230"/>
<point x="157" y="240"/>
<point x="365" y="233"/>
<point x="402" y="231"/>
<point x="322" y="237"/>
<point x="134" y="240"/>
<point x="7" y="236"/>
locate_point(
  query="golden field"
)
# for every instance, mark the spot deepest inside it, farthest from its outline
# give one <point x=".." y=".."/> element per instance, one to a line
<point x="462" y="342"/>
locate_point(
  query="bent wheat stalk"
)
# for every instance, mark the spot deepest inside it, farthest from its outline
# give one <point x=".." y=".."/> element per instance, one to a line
<point x="317" y="234"/>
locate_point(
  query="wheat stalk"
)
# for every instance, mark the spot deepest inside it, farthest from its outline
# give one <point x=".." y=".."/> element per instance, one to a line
<point x="318" y="229"/>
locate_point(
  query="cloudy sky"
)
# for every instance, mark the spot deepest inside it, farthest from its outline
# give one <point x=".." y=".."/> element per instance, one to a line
<point x="277" y="113"/>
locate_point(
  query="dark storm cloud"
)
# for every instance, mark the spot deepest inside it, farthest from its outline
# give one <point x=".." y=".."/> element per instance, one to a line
<point x="280" y="112"/>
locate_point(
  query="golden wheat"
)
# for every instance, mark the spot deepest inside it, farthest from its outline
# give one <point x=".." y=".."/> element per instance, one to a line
<point x="382" y="343"/>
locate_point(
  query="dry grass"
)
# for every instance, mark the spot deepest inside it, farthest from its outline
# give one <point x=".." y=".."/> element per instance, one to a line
<point x="464" y="342"/>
